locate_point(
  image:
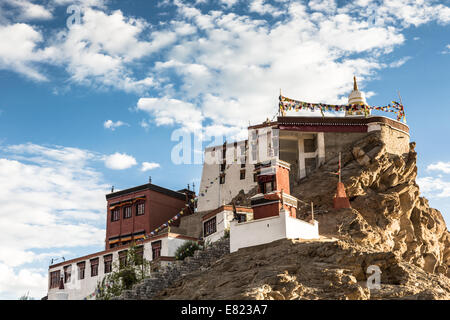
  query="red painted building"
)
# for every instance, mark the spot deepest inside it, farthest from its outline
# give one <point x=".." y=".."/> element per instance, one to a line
<point x="135" y="212"/>
<point x="273" y="190"/>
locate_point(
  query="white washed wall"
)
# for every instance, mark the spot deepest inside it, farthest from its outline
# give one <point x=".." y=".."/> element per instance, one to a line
<point x="261" y="231"/>
<point x="222" y="222"/>
<point x="79" y="289"/>
<point x="212" y="194"/>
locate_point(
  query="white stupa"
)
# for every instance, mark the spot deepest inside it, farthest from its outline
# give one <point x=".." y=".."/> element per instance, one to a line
<point x="356" y="97"/>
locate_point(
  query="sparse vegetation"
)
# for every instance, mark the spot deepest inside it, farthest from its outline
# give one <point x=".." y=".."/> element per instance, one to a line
<point x="124" y="276"/>
<point x="187" y="249"/>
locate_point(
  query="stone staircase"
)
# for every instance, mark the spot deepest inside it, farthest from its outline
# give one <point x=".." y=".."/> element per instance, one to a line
<point x="160" y="280"/>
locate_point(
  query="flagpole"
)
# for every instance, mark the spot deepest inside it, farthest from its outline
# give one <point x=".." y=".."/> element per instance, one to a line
<point x="339" y="167"/>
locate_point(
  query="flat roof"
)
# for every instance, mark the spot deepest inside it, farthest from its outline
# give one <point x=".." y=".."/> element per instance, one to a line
<point x="120" y="248"/>
<point x="148" y="186"/>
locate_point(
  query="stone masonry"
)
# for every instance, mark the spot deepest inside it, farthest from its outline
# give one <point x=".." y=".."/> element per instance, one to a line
<point x="158" y="281"/>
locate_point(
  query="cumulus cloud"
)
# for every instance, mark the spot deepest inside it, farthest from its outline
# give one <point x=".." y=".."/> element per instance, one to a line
<point x="19" y="50"/>
<point x="439" y="166"/>
<point x="168" y="111"/>
<point x="434" y="187"/>
<point x="146" y="166"/>
<point x="109" y="124"/>
<point x="25" y="10"/>
<point x="51" y="200"/>
<point x="119" y="161"/>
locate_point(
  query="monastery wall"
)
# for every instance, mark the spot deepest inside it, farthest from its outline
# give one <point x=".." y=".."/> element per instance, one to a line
<point x="397" y="142"/>
<point x="213" y="193"/>
<point x="78" y="289"/>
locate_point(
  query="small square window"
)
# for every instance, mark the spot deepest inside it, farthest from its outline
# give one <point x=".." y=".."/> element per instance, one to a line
<point x="209" y="227"/>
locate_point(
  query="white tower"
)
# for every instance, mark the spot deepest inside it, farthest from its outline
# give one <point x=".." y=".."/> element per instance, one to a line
<point x="356" y="97"/>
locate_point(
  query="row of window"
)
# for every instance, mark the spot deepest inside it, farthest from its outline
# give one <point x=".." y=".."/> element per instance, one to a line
<point x="127" y="211"/>
<point x="107" y="260"/>
<point x="242" y="177"/>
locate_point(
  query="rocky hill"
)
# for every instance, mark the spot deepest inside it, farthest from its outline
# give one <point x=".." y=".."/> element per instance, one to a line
<point x="389" y="226"/>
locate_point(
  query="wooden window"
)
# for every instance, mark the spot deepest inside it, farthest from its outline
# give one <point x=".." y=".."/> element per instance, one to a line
<point x="222" y="179"/>
<point x="54" y="279"/>
<point x="242" y="175"/>
<point x="94" y="267"/>
<point x="209" y="227"/>
<point x="67" y="273"/>
<point x="222" y="167"/>
<point x="255" y="177"/>
<point x="115" y="214"/>
<point x="123" y="258"/>
<point x="241" y="217"/>
<point x="268" y="187"/>
<point x="140" y="209"/>
<point x="139" y="254"/>
<point x="156" y="249"/>
<point x="81" y="267"/>
<point x="108" y="263"/>
<point x="127" y="212"/>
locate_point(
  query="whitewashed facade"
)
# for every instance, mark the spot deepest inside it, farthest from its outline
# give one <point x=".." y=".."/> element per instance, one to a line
<point x="266" y="230"/>
<point x="221" y="219"/>
<point x="80" y="289"/>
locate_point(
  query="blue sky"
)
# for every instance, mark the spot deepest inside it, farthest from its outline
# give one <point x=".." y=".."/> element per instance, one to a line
<point x="95" y="104"/>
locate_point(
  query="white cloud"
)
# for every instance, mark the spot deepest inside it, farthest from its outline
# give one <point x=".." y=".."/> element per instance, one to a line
<point x="434" y="187"/>
<point x="168" y="111"/>
<point x="27" y="10"/>
<point x="439" y="166"/>
<point x="109" y="124"/>
<point x="51" y="199"/>
<point x="446" y="50"/>
<point x="229" y="3"/>
<point x="19" y="50"/>
<point x="261" y="7"/>
<point x="119" y="161"/>
<point x="399" y="63"/>
<point x="146" y="166"/>
<point x="14" y="284"/>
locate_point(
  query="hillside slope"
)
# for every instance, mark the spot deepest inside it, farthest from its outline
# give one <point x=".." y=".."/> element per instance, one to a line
<point x="389" y="226"/>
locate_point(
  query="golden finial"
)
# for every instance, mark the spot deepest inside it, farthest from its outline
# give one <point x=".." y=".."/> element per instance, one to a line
<point x="355" y="85"/>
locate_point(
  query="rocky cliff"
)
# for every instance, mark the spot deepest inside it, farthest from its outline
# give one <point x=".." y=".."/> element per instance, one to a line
<point x="389" y="226"/>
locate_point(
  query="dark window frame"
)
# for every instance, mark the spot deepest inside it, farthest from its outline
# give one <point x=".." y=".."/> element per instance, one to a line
<point x="81" y="270"/>
<point x="67" y="273"/>
<point x="107" y="260"/>
<point x="55" y="278"/>
<point x="156" y="249"/>
<point x="94" y="267"/>
<point x="123" y="258"/>
<point x="115" y="214"/>
<point x="130" y="212"/>
<point x="137" y="208"/>
<point x="209" y="227"/>
<point x="242" y="175"/>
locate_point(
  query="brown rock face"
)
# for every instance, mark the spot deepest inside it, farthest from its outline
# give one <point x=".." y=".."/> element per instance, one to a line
<point x="389" y="226"/>
<point x="388" y="213"/>
<point x="296" y="269"/>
